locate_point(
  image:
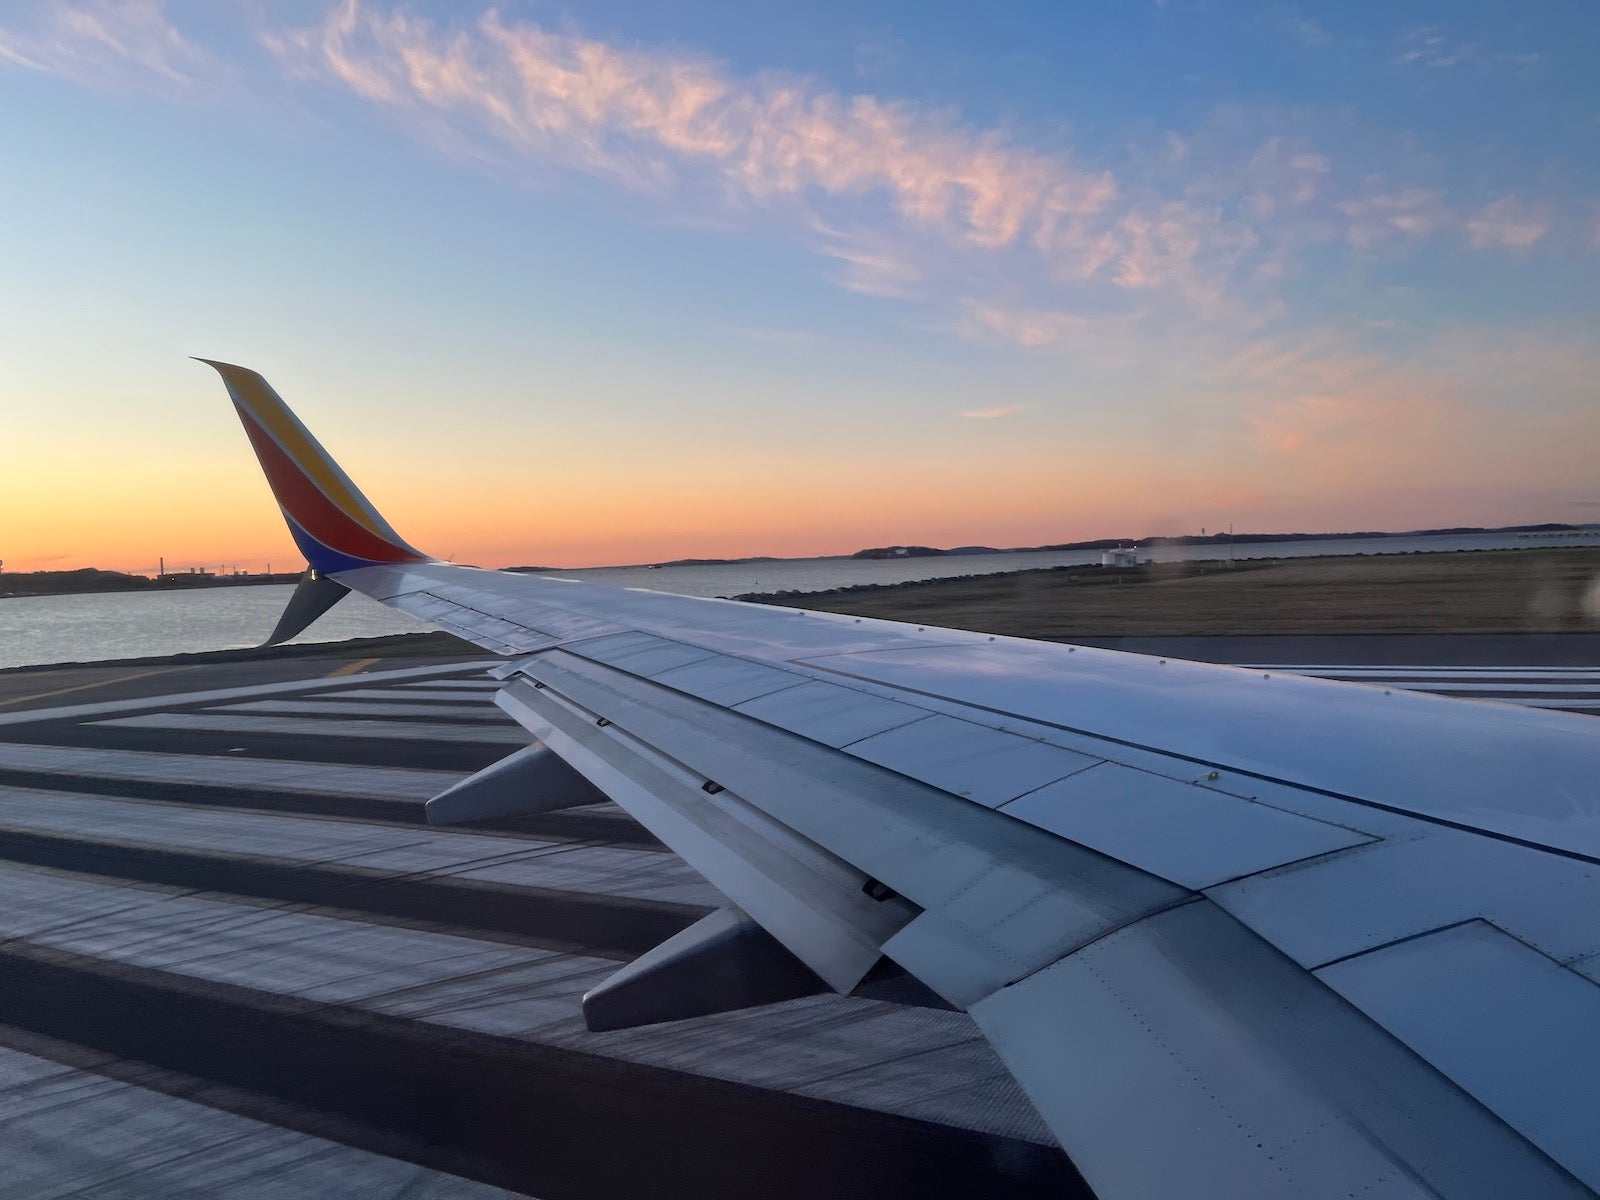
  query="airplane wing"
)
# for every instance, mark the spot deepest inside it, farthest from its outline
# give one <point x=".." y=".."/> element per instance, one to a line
<point x="1236" y="934"/>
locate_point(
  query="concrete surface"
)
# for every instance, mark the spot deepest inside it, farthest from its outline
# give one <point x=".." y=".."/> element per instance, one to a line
<point x="185" y="868"/>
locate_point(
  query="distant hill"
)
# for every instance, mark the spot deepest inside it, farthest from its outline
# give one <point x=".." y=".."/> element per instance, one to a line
<point x="92" y="579"/>
<point x="85" y="579"/>
<point x="1209" y="539"/>
<point x="717" y="562"/>
<point x="900" y="552"/>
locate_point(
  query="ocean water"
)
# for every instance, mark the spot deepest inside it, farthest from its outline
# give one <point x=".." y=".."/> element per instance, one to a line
<point x="35" y="630"/>
<point x="107" y="625"/>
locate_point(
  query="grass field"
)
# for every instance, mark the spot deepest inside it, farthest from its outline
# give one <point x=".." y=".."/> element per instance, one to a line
<point x="1502" y="591"/>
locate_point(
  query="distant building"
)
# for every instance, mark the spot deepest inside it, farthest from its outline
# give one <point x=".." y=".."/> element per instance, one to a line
<point x="1122" y="556"/>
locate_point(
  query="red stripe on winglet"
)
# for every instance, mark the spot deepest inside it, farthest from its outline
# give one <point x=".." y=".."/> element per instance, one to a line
<point x="313" y="511"/>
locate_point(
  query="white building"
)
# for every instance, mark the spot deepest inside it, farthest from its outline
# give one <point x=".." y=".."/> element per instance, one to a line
<point x="1122" y="556"/>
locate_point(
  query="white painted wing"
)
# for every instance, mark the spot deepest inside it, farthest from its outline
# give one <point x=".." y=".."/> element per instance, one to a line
<point x="1236" y="934"/>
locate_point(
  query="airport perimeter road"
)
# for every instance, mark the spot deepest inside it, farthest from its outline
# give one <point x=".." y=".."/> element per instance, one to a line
<point x="237" y="963"/>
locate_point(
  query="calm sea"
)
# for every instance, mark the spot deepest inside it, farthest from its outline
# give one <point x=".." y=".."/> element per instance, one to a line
<point x="53" y="629"/>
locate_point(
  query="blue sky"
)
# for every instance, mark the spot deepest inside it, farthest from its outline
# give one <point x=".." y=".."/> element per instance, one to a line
<point x="634" y="281"/>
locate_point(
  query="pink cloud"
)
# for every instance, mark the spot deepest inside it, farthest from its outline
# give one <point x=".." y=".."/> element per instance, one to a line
<point x="102" y="43"/>
<point x="644" y="115"/>
<point x="837" y="164"/>
<point x="1507" y="222"/>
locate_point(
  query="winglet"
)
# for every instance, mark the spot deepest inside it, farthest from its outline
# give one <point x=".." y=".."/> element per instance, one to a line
<point x="334" y="525"/>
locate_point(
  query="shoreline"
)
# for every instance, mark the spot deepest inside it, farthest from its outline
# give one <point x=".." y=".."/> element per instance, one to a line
<point x="1540" y="590"/>
<point x="1522" y="595"/>
<point x="88" y="581"/>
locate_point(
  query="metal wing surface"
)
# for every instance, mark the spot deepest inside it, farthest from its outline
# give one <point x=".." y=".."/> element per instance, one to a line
<point x="1236" y="934"/>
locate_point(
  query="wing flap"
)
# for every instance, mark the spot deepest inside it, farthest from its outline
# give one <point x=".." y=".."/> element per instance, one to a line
<point x="1020" y="897"/>
<point x="810" y="900"/>
<point x="1194" y="836"/>
<point x="1515" y="1028"/>
<point x="1184" y="1054"/>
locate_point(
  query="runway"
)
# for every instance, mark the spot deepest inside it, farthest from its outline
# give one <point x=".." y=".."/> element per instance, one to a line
<point x="237" y="963"/>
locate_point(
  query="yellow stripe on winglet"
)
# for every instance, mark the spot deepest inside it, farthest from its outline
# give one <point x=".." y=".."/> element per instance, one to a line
<point x="256" y="395"/>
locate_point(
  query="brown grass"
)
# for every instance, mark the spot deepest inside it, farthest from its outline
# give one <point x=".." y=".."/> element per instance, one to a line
<point x="1498" y="591"/>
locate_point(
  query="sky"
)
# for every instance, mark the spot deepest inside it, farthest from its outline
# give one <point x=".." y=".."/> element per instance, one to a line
<point x="624" y="281"/>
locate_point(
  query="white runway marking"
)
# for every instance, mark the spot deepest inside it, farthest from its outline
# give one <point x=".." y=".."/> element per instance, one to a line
<point x="1573" y="689"/>
<point x="917" y="1063"/>
<point x="413" y="695"/>
<point x="334" y="779"/>
<point x="400" y="731"/>
<point x="565" y="866"/>
<point x="1570" y="689"/>
<point x="240" y="693"/>
<point x="1425" y="672"/>
<point x="335" y="708"/>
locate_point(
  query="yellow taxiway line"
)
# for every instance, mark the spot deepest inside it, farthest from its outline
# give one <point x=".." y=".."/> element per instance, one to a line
<point x="361" y="664"/>
<point x="80" y="687"/>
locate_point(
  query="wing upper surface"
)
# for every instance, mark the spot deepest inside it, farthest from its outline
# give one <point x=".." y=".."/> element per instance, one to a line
<point x="1459" y="763"/>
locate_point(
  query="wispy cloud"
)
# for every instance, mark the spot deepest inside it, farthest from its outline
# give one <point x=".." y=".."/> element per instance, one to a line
<point x="1428" y="47"/>
<point x="105" y="43"/>
<point x="992" y="414"/>
<point x="1381" y="215"/>
<point x="1337" y="415"/>
<point x="1431" y="47"/>
<point x="902" y="196"/>
<point x="1361" y="423"/>
<point x="1303" y="29"/>
<point x="1031" y="327"/>
<point x="1507" y="222"/>
<point x="872" y="266"/>
<point x="1284" y="172"/>
<point x="646" y="117"/>
<point x="1195" y="234"/>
